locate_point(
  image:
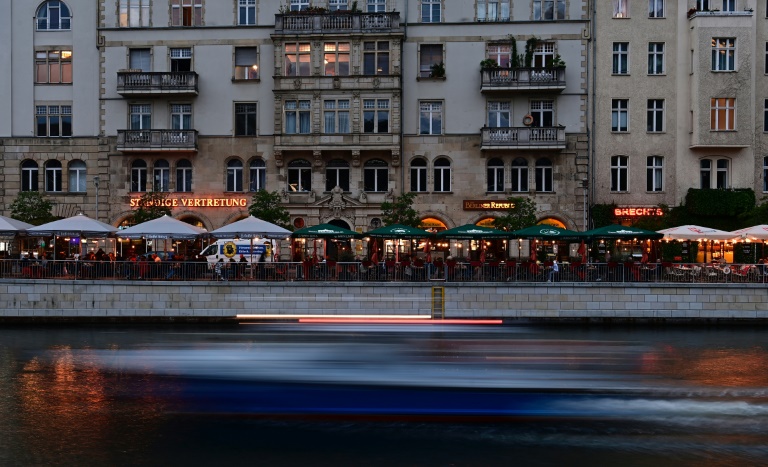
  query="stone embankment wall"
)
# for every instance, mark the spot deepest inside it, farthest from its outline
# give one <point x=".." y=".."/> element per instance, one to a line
<point x="206" y="300"/>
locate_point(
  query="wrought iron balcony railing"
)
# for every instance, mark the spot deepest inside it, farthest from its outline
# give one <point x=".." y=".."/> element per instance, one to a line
<point x="135" y="83"/>
<point x="337" y="22"/>
<point x="157" y="140"/>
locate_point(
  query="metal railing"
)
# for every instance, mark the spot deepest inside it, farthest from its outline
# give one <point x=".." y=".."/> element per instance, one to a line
<point x="142" y="82"/>
<point x="474" y="271"/>
<point x="142" y="140"/>
<point x="523" y="78"/>
<point x="337" y="22"/>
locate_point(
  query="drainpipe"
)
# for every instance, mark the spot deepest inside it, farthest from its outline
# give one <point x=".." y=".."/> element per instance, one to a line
<point x="402" y="99"/>
<point x="591" y="130"/>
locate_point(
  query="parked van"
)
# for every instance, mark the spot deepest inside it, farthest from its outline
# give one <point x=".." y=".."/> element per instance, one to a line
<point x="229" y="248"/>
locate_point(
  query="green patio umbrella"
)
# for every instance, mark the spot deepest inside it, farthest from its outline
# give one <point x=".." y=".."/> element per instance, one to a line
<point x="622" y="232"/>
<point x="326" y="231"/>
<point x="398" y="231"/>
<point x="547" y="232"/>
<point x="472" y="232"/>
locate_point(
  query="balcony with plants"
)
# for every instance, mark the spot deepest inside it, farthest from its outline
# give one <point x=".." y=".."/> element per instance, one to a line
<point x="521" y="74"/>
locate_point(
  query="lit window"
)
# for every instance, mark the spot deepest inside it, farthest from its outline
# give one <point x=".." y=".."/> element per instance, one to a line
<point x="186" y="13"/>
<point x="299" y="175"/>
<point x="655" y="173"/>
<point x="53" y="16"/>
<point x="246" y="63"/>
<point x="723" y="54"/>
<point x="620" y="173"/>
<point x="297" y="59"/>
<point x="336" y="58"/>
<point x="501" y="54"/>
<point x="722" y="114"/>
<point x="133" y="13"/>
<point x="53" y="66"/>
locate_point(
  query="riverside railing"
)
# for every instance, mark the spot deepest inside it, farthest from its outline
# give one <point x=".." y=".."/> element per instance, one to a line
<point x="474" y="271"/>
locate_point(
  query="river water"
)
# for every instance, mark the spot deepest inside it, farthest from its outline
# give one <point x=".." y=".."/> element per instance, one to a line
<point x="61" y="404"/>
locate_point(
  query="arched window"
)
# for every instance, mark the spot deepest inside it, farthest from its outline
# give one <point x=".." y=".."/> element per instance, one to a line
<point x="337" y="174"/>
<point x="77" y="181"/>
<point x="299" y="175"/>
<point x="53" y="15"/>
<point x="519" y="175"/>
<point x="544" y="175"/>
<point x="184" y="176"/>
<point x="495" y="175"/>
<point x="162" y="175"/>
<point x="442" y="170"/>
<point x="375" y="175"/>
<point x="139" y="176"/>
<point x="235" y="175"/>
<point x="53" y="176"/>
<point x="620" y="173"/>
<point x="419" y="175"/>
<point x="258" y="175"/>
<point x="29" y="173"/>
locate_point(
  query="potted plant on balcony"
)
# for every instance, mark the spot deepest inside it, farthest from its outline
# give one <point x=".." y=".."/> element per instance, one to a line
<point x="437" y="70"/>
<point x="488" y="63"/>
<point x="557" y="62"/>
<point x="530" y="47"/>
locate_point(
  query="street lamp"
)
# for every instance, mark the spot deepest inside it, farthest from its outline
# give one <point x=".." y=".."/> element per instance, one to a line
<point x="96" y="183"/>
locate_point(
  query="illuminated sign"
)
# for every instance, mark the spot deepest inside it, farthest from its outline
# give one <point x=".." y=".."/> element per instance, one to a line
<point x="195" y="202"/>
<point x="481" y="205"/>
<point x="634" y="212"/>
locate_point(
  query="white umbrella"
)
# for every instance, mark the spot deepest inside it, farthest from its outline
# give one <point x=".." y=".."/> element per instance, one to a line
<point x="162" y="228"/>
<point x="251" y="227"/>
<point x="695" y="232"/>
<point x="10" y="226"/>
<point x="75" y="226"/>
<point x="756" y="232"/>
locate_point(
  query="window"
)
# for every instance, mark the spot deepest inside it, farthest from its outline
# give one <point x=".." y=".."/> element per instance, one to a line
<point x="419" y="175"/>
<point x="245" y="119"/>
<point x="375" y="115"/>
<point x="140" y="59"/>
<point x="299" y="5"/>
<point x="500" y="53"/>
<point x="429" y="55"/>
<point x="442" y="171"/>
<point x="430" y="118"/>
<point x="181" y="116"/>
<point x="655" y="115"/>
<point x="53" y="121"/>
<point x="519" y="175"/>
<point x="53" y="176"/>
<point x="722" y="174"/>
<point x="619" y="173"/>
<point x="162" y="176"/>
<point x="53" y="16"/>
<point x="258" y="175"/>
<point x="765" y="70"/>
<point x="544" y="175"/>
<point x="543" y="54"/>
<point x="619" y="114"/>
<point x="656" y="58"/>
<point x="133" y="13"/>
<point x="655" y="173"/>
<point x="234" y="175"/>
<point x="53" y="66"/>
<point x="498" y="114"/>
<point x="297" y="117"/>
<point x="376" y="58"/>
<point x="729" y="5"/>
<point x="376" y="6"/>
<point x="620" y="58"/>
<point x="246" y="63"/>
<point x="297" y="59"/>
<point x="29" y="174"/>
<point x="336" y="59"/>
<point x="430" y="11"/>
<point x="299" y="175"/>
<point x="723" y="54"/>
<point x="139" y="176"/>
<point x="495" y="175"/>
<point x="493" y="10"/>
<point x="335" y="5"/>
<point x="543" y="113"/>
<point x="548" y="9"/>
<point x="765" y="174"/>
<point x="184" y="176"/>
<point x="621" y="8"/>
<point x="655" y="8"/>
<point x="181" y="60"/>
<point x="336" y="116"/>
<point x="705" y="174"/>
<point x="765" y="115"/>
<point x="77" y="181"/>
<point x="246" y="12"/>
<point x="722" y="114"/>
<point x="337" y="174"/>
<point x="140" y="116"/>
<point x="186" y="13"/>
<point x="375" y="176"/>
<point x="702" y="5"/>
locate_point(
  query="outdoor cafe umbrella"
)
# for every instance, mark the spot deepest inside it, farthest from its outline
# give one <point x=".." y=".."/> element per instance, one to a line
<point x="252" y="227"/>
<point x="695" y="232"/>
<point x="622" y="232"/>
<point x="547" y="232"/>
<point x="10" y="226"/>
<point x="472" y="232"/>
<point x="163" y="228"/>
<point x="756" y="232"/>
<point x="326" y="231"/>
<point x="76" y="226"/>
<point x="398" y="231"/>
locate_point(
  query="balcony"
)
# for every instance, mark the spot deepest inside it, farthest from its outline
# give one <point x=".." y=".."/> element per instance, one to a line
<point x="147" y="83"/>
<point x="523" y="138"/>
<point x="338" y="141"/>
<point x="157" y="140"/>
<point x="522" y="79"/>
<point x="337" y="22"/>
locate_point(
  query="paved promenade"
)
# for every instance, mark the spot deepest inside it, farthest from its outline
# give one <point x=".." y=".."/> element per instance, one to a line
<point x="207" y="300"/>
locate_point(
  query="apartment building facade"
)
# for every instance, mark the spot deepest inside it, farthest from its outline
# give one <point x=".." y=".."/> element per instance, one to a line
<point x="337" y="105"/>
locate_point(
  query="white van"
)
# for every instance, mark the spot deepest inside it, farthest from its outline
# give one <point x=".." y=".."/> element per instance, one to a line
<point x="230" y="248"/>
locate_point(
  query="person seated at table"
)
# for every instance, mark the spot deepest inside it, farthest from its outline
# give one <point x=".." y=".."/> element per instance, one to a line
<point x="553" y="270"/>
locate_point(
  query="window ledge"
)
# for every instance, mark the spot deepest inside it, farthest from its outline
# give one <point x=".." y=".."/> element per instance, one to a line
<point x="619" y="192"/>
<point x="256" y="80"/>
<point x="430" y="78"/>
<point x="655" y="192"/>
<point x="620" y="74"/>
<point x="724" y="71"/>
